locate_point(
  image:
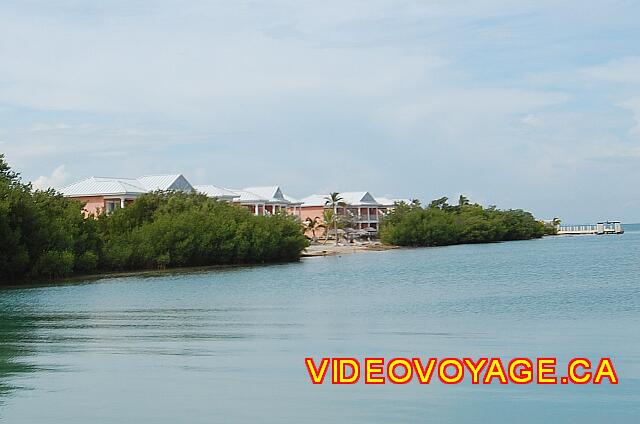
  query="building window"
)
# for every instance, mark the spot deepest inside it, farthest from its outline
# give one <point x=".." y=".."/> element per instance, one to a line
<point x="112" y="205"/>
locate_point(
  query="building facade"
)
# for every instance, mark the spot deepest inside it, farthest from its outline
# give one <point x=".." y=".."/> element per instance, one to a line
<point x="360" y="210"/>
<point x="261" y="200"/>
<point x="105" y="194"/>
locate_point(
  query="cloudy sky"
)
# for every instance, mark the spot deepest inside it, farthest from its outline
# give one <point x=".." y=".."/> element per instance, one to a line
<point x="535" y="105"/>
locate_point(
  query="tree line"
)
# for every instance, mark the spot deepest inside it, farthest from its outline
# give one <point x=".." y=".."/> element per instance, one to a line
<point x="442" y="224"/>
<point x="44" y="234"/>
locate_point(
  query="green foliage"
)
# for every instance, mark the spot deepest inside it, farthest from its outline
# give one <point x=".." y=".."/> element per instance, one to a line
<point x="54" y="263"/>
<point x="177" y="229"/>
<point x="333" y="219"/>
<point x="551" y="228"/>
<point x="43" y="234"/>
<point x="86" y="262"/>
<point x="441" y="224"/>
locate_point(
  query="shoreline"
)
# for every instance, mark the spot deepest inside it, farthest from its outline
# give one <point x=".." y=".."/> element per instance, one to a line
<point x="314" y="250"/>
<point x="330" y="249"/>
<point x="83" y="278"/>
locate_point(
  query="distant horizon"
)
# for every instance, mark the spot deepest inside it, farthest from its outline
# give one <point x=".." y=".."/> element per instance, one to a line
<point x="523" y="106"/>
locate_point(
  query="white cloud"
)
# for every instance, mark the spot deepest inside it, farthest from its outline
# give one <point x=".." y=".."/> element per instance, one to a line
<point x="462" y="113"/>
<point x="532" y="120"/>
<point x="625" y="70"/>
<point x="56" y="180"/>
<point x="124" y="87"/>
<point x="634" y="106"/>
<point x="45" y="127"/>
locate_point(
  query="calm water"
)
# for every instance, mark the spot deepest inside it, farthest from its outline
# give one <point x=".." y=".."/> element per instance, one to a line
<point x="228" y="345"/>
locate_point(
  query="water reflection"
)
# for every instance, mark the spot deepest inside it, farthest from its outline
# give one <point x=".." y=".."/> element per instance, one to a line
<point x="16" y="337"/>
<point x="193" y="347"/>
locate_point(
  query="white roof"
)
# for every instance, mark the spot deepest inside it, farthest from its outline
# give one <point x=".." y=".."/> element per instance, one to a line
<point x="351" y="198"/>
<point x="266" y="194"/>
<point x="108" y="186"/>
<point x="385" y="201"/>
<point x="314" y="200"/>
<point x="216" y="192"/>
<point x="165" y="182"/>
<point x="246" y="196"/>
<point x="359" y="198"/>
<point x="272" y="193"/>
<point x="292" y="200"/>
<point x="104" y="186"/>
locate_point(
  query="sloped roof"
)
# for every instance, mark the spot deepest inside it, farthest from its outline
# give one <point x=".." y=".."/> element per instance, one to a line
<point x="356" y="198"/>
<point x="351" y="198"/>
<point x="292" y="200"/>
<point x="385" y="201"/>
<point x="216" y="192"/>
<point x="266" y="194"/>
<point x="246" y="196"/>
<point x="104" y="186"/>
<point x="109" y="186"/>
<point x="314" y="200"/>
<point x="165" y="182"/>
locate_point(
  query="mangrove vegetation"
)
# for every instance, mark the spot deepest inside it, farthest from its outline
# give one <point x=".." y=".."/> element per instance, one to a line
<point x="442" y="224"/>
<point x="45" y="235"/>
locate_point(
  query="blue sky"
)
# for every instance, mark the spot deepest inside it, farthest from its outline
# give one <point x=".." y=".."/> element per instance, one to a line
<point x="535" y="106"/>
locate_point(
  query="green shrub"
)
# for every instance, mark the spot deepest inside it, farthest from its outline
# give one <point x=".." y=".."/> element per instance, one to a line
<point x="86" y="262"/>
<point x="54" y="264"/>
<point x="190" y="229"/>
<point x="45" y="234"/>
<point x="441" y="224"/>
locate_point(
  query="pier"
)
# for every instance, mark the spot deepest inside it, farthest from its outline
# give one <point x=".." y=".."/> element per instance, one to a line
<point x="608" y="227"/>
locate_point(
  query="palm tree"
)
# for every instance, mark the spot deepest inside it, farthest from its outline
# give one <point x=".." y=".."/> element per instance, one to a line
<point x="440" y="203"/>
<point x="463" y="200"/>
<point x="327" y="221"/>
<point x="334" y="200"/>
<point x="312" y="225"/>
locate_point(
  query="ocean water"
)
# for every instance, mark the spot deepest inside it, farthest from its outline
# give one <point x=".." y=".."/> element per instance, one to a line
<point x="228" y="345"/>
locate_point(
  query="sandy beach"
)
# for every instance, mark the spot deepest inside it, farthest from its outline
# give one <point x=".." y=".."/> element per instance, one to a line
<point x="330" y="249"/>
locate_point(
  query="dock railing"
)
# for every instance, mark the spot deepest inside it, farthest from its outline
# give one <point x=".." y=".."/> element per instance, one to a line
<point x="609" y="227"/>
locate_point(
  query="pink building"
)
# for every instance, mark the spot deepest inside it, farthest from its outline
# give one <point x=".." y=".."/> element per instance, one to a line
<point x="361" y="208"/>
<point x="103" y="194"/>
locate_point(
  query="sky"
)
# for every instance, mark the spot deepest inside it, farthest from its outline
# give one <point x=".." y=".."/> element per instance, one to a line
<point x="532" y="105"/>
